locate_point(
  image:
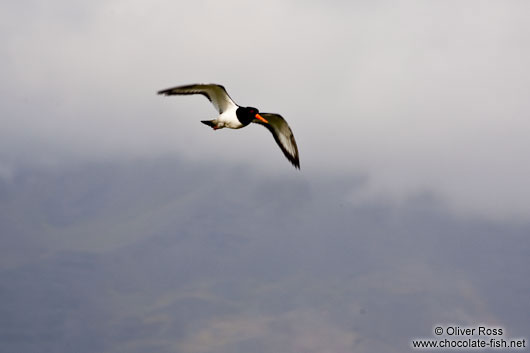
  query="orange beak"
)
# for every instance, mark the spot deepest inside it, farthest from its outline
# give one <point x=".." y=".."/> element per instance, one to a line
<point x="261" y="118"/>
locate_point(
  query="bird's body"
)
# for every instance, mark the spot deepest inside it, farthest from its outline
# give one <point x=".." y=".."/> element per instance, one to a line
<point x="229" y="119"/>
<point x="234" y="116"/>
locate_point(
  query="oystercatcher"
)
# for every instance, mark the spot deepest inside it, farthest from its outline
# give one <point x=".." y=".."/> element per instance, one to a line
<point x="234" y="116"/>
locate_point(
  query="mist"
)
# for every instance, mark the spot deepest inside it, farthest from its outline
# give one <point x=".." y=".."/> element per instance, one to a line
<point x="127" y="225"/>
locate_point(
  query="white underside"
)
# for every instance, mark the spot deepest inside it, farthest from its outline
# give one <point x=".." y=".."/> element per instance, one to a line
<point x="228" y="119"/>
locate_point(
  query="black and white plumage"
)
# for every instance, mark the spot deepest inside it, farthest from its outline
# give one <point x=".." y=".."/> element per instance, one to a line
<point x="233" y="116"/>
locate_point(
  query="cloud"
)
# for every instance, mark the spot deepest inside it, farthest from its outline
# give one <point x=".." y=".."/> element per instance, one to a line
<point x="419" y="96"/>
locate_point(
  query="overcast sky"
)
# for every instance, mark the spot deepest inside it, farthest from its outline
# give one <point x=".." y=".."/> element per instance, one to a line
<point x="411" y="118"/>
<point x="417" y="95"/>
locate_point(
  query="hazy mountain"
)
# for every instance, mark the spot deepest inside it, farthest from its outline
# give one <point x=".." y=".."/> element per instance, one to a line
<point x="158" y="256"/>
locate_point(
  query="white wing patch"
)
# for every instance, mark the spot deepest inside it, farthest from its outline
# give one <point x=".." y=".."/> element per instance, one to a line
<point x="215" y="93"/>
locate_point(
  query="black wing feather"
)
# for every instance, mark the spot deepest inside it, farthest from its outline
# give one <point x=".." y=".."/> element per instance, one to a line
<point x="283" y="136"/>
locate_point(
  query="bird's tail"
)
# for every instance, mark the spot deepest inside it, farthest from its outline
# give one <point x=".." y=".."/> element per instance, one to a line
<point x="211" y="123"/>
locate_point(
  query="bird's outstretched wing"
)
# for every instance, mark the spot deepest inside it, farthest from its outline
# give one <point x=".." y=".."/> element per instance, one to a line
<point x="283" y="135"/>
<point x="215" y="93"/>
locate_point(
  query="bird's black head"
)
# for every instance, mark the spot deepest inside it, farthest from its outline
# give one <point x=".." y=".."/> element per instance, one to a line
<point x="246" y="114"/>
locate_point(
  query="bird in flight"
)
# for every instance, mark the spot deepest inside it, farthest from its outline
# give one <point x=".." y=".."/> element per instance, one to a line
<point x="234" y="116"/>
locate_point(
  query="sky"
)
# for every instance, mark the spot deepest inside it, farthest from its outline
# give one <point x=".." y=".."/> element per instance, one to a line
<point x="411" y="122"/>
<point x="416" y="95"/>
